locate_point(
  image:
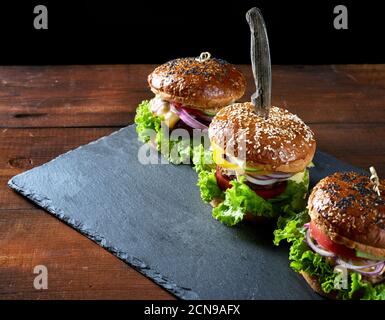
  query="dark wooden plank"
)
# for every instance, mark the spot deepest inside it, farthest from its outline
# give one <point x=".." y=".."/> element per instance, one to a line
<point x="77" y="267"/>
<point x="67" y="96"/>
<point x="22" y="149"/>
<point x="331" y="94"/>
<point x="359" y="144"/>
<point x="62" y="96"/>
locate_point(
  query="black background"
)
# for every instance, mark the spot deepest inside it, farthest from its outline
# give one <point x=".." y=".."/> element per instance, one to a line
<point x="153" y="32"/>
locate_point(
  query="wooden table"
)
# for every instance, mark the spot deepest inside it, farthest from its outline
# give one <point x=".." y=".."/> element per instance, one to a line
<point x="48" y="110"/>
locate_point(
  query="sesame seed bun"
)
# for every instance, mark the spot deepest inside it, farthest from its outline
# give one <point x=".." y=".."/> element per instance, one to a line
<point x="210" y="84"/>
<point x="347" y="209"/>
<point x="282" y="142"/>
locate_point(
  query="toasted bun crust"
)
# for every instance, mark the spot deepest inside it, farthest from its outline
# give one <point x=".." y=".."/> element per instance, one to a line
<point x="211" y="84"/>
<point x="314" y="284"/>
<point x="347" y="209"/>
<point x="282" y="142"/>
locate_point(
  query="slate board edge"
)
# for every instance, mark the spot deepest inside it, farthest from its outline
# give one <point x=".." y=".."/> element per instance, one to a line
<point x="137" y="264"/>
<point x="45" y="203"/>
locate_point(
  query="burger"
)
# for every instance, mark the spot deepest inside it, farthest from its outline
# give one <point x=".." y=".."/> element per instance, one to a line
<point x="256" y="167"/>
<point x="188" y="93"/>
<point x="339" y="246"/>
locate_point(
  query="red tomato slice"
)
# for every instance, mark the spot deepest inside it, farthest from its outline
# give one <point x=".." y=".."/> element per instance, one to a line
<point x="271" y="193"/>
<point x="224" y="183"/>
<point x="324" y="241"/>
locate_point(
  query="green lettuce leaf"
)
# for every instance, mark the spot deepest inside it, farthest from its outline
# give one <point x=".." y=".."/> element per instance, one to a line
<point x="290" y="227"/>
<point x="293" y="199"/>
<point x="175" y="151"/>
<point x="146" y="121"/>
<point x="368" y="291"/>
<point x="302" y="258"/>
<point x="240" y="199"/>
<point x="202" y="159"/>
<point x="204" y="166"/>
<point x="208" y="186"/>
<point x="149" y="128"/>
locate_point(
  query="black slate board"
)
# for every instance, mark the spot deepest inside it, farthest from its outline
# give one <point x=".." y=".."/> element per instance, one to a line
<point x="152" y="217"/>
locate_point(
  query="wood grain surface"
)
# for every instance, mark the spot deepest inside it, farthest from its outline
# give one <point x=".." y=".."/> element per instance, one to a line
<point x="48" y="110"/>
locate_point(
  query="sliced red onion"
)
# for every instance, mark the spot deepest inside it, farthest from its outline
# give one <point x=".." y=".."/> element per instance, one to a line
<point x="174" y="109"/>
<point x="282" y="179"/>
<point x="268" y="177"/>
<point x="156" y="104"/>
<point x="316" y="248"/>
<point x="280" y="175"/>
<point x="191" y="121"/>
<point x="259" y="181"/>
<point x="306" y="225"/>
<point x="375" y="272"/>
<point x="379" y="265"/>
<point x="202" y="116"/>
<point x="370" y="264"/>
<point x="260" y="177"/>
<point x="154" y="108"/>
<point x="187" y="118"/>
